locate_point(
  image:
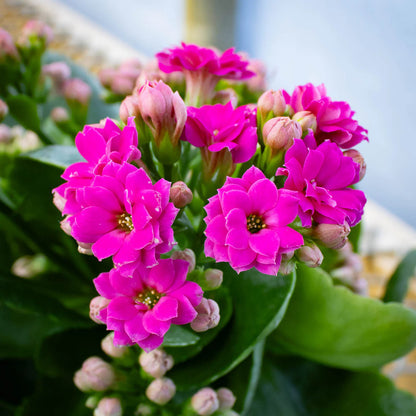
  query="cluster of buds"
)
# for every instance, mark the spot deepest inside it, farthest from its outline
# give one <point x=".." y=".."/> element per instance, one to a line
<point x="108" y="406"/>
<point x="208" y="401"/>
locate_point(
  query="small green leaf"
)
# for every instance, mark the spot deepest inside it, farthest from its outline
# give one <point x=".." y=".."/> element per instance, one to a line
<point x="24" y="110"/>
<point x="56" y="155"/>
<point x="332" y="325"/>
<point x="178" y="336"/>
<point x="398" y="284"/>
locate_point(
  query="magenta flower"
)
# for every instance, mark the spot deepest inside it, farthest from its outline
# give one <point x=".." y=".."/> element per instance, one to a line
<point x="203" y="68"/>
<point x="98" y="144"/>
<point x="146" y="302"/>
<point x="334" y="118"/>
<point x="215" y="128"/>
<point x="247" y="223"/>
<point x="125" y="216"/>
<point x="321" y="178"/>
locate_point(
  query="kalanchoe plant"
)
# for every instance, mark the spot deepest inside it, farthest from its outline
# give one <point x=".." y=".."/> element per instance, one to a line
<point x="217" y="231"/>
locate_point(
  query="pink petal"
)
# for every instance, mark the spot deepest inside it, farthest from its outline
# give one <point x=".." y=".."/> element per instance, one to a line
<point x="108" y="244"/>
<point x="121" y="308"/>
<point x="263" y="195"/>
<point x="166" y="309"/>
<point x="134" y="328"/>
<point x="154" y="326"/>
<point x="186" y="312"/>
<point x="265" y="242"/>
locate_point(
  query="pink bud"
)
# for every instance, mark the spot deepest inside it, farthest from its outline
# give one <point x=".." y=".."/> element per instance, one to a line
<point x="180" y="194"/>
<point x="225" y="96"/>
<point x="271" y="102"/>
<point x="121" y="85"/>
<point x="205" y="402"/>
<point x="115" y="351"/>
<point x="187" y="255"/>
<point x="129" y="108"/>
<point x="4" y="110"/>
<point x="6" y="134"/>
<point x="106" y="76"/>
<point x="208" y="315"/>
<point x="226" y="398"/>
<point x="77" y="90"/>
<point x="213" y="279"/>
<point x="29" y="266"/>
<point x="357" y="157"/>
<point x="95" y="375"/>
<point x="85" y="248"/>
<point x="59" y="115"/>
<point x="332" y="236"/>
<point x="36" y="29"/>
<point x="258" y="82"/>
<point x="161" y="390"/>
<point x="108" y="406"/>
<point x="156" y="363"/>
<point x="279" y="133"/>
<point x="8" y="49"/>
<point x="306" y="120"/>
<point x="97" y="304"/>
<point x="59" y="72"/>
<point x="310" y="255"/>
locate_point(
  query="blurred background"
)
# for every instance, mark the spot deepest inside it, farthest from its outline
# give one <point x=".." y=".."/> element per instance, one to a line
<point x="364" y="52"/>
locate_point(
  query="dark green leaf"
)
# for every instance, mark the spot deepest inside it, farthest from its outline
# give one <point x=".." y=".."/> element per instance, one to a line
<point x="296" y="387"/>
<point x="24" y="110"/>
<point x="56" y="155"/>
<point x="334" y="326"/>
<point x="398" y="284"/>
<point x="177" y="336"/>
<point x="259" y="303"/>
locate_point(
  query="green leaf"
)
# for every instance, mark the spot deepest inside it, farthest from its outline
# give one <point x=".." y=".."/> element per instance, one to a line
<point x="296" y="387"/>
<point x="332" y="325"/>
<point x="56" y="155"/>
<point x="24" y="110"/>
<point x="398" y="284"/>
<point x="259" y="303"/>
<point x="178" y="336"/>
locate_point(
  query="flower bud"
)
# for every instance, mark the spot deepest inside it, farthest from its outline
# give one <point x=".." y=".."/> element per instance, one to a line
<point x="6" y="134"/>
<point x="287" y="264"/>
<point x="59" y="72"/>
<point x="205" y="402"/>
<point x="106" y="75"/>
<point x="4" y="110"/>
<point x="35" y="30"/>
<point x="92" y="402"/>
<point x="143" y="410"/>
<point x="115" y="351"/>
<point x="306" y="120"/>
<point x="97" y="304"/>
<point x="29" y="266"/>
<point x="60" y="115"/>
<point x="257" y="83"/>
<point x="310" y="255"/>
<point x="161" y="390"/>
<point x="357" y="157"/>
<point x="8" y="50"/>
<point x="108" y="406"/>
<point x="75" y="90"/>
<point x="187" y="255"/>
<point x="95" y="375"/>
<point x="225" y="96"/>
<point x="332" y="235"/>
<point x="279" y="133"/>
<point x="361" y="287"/>
<point x="226" y="398"/>
<point x="129" y="108"/>
<point x="85" y="248"/>
<point x="271" y="104"/>
<point x="180" y="194"/>
<point x="208" y="315"/>
<point x="213" y="279"/>
<point x="156" y="363"/>
<point x="121" y="85"/>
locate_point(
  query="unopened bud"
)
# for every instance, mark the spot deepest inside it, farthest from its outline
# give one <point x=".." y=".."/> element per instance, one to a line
<point x="59" y="72"/>
<point x="310" y="255"/>
<point x="36" y="30"/>
<point x="271" y="104"/>
<point x="8" y="49"/>
<point x="161" y="390"/>
<point x="258" y="82"/>
<point x="332" y="236"/>
<point x="213" y="279"/>
<point x="208" y="315"/>
<point x="122" y="85"/>
<point x="225" y="96"/>
<point x="115" y="351"/>
<point x="108" y="406"/>
<point x="95" y="375"/>
<point x="6" y="134"/>
<point x="85" y="248"/>
<point x="156" y="363"/>
<point x="205" y="402"/>
<point x="4" y="110"/>
<point x="106" y="76"/>
<point x="92" y="402"/>
<point x="77" y="91"/>
<point x="29" y="266"/>
<point x="187" y="255"/>
<point x="279" y="133"/>
<point x="306" y="120"/>
<point x="226" y="398"/>
<point x="143" y="410"/>
<point x="357" y="157"/>
<point x="59" y="115"/>
<point x="287" y="264"/>
<point x="97" y="304"/>
<point x="180" y="194"/>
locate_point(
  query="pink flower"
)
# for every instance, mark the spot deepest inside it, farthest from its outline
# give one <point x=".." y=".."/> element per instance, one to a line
<point x="98" y="145"/>
<point x="146" y="302"/>
<point x="217" y="127"/>
<point x="125" y="216"/>
<point x="247" y="223"/>
<point x="334" y="118"/>
<point x="321" y="177"/>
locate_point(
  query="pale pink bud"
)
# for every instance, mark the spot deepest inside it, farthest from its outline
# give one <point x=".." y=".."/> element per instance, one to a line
<point x="156" y="363"/>
<point x="180" y="194"/>
<point x="29" y="266"/>
<point x="6" y="134"/>
<point x="66" y="225"/>
<point x="187" y="255"/>
<point x="108" y="406"/>
<point x="208" y="315"/>
<point x="4" y="110"/>
<point x="59" y="115"/>
<point x="357" y="157"/>
<point x="161" y="390"/>
<point x="258" y="82"/>
<point x="85" y="248"/>
<point x="7" y="47"/>
<point x="332" y="235"/>
<point x="59" y="72"/>
<point x="77" y="90"/>
<point x="122" y="85"/>
<point x="213" y="279"/>
<point x="310" y="255"/>
<point x="106" y="76"/>
<point x="115" y="351"/>
<point x="143" y="410"/>
<point x="287" y="264"/>
<point x="271" y="102"/>
<point x="38" y="29"/>
<point x="97" y="304"/>
<point x="279" y="133"/>
<point x="95" y="375"/>
<point x="226" y="398"/>
<point x="205" y="402"/>
<point x="306" y="120"/>
<point x="225" y="96"/>
<point x="129" y="108"/>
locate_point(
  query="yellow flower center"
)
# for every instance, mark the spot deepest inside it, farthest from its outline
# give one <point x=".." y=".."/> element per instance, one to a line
<point x="125" y="222"/>
<point x="149" y="297"/>
<point x="255" y="223"/>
